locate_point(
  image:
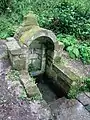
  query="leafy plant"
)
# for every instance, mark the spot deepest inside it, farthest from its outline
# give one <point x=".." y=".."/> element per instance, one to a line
<point x="81" y="86"/>
<point x="73" y="51"/>
<point x="68" y="40"/>
<point x="85" y="85"/>
<point x="76" y="49"/>
<point x="61" y="16"/>
<point x="4" y="4"/>
<point x="87" y="82"/>
<point x="6" y="28"/>
<point x="85" y="52"/>
<point x="67" y="18"/>
<point x="74" y="90"/>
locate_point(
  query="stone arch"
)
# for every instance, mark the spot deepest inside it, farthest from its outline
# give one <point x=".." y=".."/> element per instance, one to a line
<point x="40" y="54"/>
<point x="36" y="32"/>
<point x="38" y="37"/>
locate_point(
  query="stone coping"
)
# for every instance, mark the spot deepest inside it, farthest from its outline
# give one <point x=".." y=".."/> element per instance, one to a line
<point x="36" y="32"/>
<point x="69" y="74"/>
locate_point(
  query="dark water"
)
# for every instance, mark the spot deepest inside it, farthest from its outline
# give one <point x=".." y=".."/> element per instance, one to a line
<point x="50" y="91"/>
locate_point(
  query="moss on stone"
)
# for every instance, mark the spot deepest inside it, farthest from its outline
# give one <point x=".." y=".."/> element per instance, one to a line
<point x="67" y="72"/>
<point x="28" y="34"/>
<point x="57" y="59"/>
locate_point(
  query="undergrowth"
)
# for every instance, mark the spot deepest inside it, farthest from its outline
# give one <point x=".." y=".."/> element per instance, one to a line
<point x="76" y="49"/>
<point x="81" y="86"/>
<point x="61" y="16"/>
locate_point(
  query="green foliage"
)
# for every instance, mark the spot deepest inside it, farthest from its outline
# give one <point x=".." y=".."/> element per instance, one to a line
<point x="6" y="28"/>
<point x="81" y="86"/>
<point x="4" y="4"/>
<point x="67" y="18"/>
<point x="85" y="86"/>
<point x="73" y="91"/>
<point x="11" y="15"/>
<point x="61" y="16"/>
<point x="84" y="49"/>
<point x="76" y="49"/>
<point x="73" y="51"/>
<point x="87" y="82"/>
<point x="67" y="39"/>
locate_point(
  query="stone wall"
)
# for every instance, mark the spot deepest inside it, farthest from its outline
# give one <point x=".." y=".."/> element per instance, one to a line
<point x="16" y="55"/>
<point x="61" y="77"/>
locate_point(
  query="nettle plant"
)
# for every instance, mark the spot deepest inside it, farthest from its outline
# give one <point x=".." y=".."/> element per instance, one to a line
<point x="76" y="49"/>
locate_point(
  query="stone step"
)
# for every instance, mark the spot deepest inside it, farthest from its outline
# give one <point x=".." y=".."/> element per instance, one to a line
<point x="84" y="99"/>
<point x="65" y="109"/>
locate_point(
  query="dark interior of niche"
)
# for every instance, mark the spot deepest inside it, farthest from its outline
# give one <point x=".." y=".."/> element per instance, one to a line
<point x="49" y="89"/>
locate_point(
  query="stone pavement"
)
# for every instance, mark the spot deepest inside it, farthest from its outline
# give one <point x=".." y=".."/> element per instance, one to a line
<point x="84" y="99"/>
<point x="64" y="109"/>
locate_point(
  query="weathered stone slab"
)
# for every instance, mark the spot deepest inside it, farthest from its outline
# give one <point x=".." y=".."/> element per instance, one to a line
<point x="38" y="51"/>
<point x="65" y="73"/>
<point x="33" y="56"/>
<point x="29" y="85"/>
<point x="14" y="47"/>
<point x="61" y="74"/>
<point x="65" y="109"/>
<point x="83" y="99"/>
<point x="35" y="45"/>
<point x="18" y="63"/>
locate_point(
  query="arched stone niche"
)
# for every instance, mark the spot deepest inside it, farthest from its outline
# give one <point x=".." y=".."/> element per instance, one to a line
<point x="40" y="55"/>
<point x="40" y="49"/>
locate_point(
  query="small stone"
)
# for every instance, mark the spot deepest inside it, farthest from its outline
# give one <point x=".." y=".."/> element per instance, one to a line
<point x="9" y="118"/>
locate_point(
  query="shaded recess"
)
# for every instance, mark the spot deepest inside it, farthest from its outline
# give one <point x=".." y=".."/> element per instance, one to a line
<point x="40" y="55"/>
